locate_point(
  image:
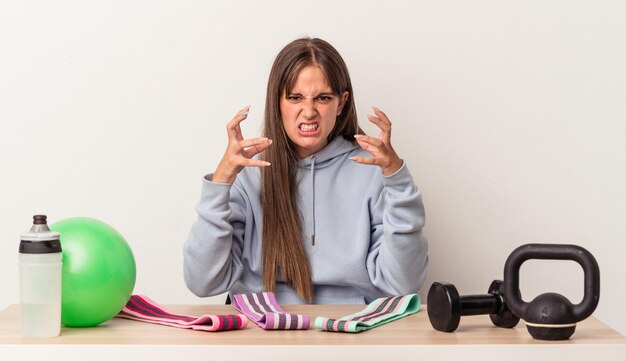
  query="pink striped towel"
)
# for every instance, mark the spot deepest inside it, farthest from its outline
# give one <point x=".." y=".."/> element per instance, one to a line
<point x="262" y="309"/>
<point x="141" y="308"/>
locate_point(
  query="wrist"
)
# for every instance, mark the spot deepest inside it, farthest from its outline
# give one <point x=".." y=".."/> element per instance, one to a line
<point x="220" y="179"/>
<point x="393" y="167"/>
<point x="223" y="176"/>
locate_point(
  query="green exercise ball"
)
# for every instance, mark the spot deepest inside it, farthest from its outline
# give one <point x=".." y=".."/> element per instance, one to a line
<point x="98" y="271"/>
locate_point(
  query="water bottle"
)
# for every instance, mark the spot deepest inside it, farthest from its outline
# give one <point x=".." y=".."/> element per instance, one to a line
<point x="40" y="264"/>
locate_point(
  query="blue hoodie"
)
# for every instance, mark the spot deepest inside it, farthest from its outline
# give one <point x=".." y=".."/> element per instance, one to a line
<point x="362" y="232"/>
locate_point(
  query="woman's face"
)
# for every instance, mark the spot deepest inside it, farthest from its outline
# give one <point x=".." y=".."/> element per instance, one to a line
<point x="309" y="111"/>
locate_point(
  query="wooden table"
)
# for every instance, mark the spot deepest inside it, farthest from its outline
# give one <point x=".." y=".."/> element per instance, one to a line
<point x="410" y="338"/>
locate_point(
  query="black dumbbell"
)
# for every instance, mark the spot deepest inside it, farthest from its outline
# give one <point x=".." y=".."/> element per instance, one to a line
<point x="445" y="306"/>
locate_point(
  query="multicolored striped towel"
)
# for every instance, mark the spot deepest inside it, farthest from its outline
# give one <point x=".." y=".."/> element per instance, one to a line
<point x="141" y="308"/>
<point x="262" y="309"/>
<point x="379" y="312"/>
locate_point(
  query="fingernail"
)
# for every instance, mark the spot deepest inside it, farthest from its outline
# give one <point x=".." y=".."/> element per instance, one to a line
<point x="267" y="164"/>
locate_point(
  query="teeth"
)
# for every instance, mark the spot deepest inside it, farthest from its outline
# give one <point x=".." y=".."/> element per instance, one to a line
<point x="308" y="127"/>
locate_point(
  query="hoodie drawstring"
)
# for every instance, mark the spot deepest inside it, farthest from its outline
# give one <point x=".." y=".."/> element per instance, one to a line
<point x="313" y="159"/>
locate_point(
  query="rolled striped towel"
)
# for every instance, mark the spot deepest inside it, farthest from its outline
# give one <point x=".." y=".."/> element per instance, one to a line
<point x="262" y="309"/>
<point x="141" y="308"/>
<point x="381" y="311"/>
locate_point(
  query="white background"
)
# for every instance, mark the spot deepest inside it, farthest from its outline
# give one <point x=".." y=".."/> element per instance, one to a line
<point x="510" y="115"/>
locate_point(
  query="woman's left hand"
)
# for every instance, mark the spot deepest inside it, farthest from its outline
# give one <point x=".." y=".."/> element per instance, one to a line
<point x="383" y="154"/>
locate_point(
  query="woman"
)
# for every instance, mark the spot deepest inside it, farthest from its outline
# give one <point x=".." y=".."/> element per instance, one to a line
<point x="315" y="210"/>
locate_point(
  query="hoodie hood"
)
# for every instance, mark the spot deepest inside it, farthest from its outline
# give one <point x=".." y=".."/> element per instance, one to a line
<point x="325" y="157"/>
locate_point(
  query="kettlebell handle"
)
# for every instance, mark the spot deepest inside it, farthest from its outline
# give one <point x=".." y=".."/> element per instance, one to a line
<point x="553" y="252"/>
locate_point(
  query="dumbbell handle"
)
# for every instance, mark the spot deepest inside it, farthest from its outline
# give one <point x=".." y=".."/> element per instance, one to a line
<point x="479" y="305"/>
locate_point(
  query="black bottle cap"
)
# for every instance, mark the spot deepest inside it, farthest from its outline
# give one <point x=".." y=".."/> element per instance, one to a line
<point x="40" y="219"/>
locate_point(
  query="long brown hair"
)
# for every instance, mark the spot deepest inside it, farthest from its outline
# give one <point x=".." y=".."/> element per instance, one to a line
<point x="283" y="249"/>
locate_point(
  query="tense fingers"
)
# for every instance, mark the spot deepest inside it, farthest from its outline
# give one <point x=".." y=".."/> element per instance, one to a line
<point x="252" y="147"/>
<point x="370" y="144"/>
<point x="383" y="154"/>
<point x="240" y="152"/>
<point x="233" y="128"/>
<point x="365" y="160"/>
<point x="381" y="120"/>
<point x="251" y="162"/>
<point x="249" y="143"/>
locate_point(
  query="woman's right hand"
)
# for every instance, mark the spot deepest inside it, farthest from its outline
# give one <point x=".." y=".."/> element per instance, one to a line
<point x="239" y="151"/>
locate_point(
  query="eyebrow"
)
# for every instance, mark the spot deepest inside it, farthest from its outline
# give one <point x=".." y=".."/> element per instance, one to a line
<point x="319" y="94"/>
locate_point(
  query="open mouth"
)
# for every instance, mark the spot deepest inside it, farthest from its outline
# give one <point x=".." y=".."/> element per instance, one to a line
<point x="308" y="127"/>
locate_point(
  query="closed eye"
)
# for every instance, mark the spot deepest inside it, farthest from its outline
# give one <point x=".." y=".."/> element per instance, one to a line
<point x="324" y="98"/>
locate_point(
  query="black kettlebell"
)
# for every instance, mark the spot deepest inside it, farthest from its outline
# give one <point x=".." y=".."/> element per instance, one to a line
<point x="551" y="316"/>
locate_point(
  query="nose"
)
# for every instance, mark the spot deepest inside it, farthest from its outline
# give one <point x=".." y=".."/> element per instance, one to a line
<point x="308" y="109"/>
